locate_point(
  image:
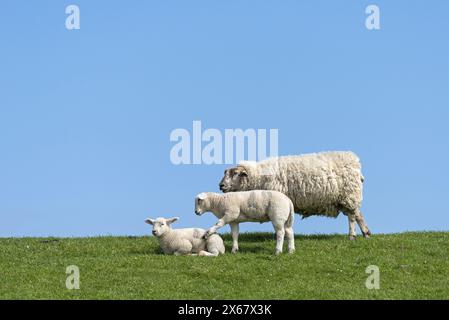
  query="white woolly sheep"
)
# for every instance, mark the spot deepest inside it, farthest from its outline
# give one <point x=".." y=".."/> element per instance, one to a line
<point x="324" y="183"/>
<point x="189" y="241"/>
<point x="251" y="206"/>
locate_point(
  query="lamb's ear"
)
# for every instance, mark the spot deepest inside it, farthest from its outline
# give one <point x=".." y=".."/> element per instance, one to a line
<point x="202" y="196"/>
<point x="171" y="220"/>
<point x="149" y="221"/>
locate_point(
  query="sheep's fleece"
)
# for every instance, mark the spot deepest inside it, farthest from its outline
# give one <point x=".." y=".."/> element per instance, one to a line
<point x="188" y="241"/>
<point x="325" y="183"/>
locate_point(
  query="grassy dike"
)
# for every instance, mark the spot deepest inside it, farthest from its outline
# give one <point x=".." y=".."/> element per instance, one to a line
<point x="412" y="266"/>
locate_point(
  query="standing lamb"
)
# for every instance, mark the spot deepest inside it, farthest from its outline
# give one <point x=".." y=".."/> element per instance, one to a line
<point x="323" y="184"/>
<point x="185" y="241"/>
<point x="251" y="206"/>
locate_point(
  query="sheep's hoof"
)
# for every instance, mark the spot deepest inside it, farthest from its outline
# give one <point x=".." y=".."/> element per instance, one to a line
<point x="234" y="251"/>
<point x="367" y="234"/>
<point x="277" y="252"/>
<point x="291" y="251"/>
<point x="206" y="235"/>
<point x="351" y="238"/>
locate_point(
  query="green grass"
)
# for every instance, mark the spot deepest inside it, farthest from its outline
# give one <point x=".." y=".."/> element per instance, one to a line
<point x="412" y="266"/>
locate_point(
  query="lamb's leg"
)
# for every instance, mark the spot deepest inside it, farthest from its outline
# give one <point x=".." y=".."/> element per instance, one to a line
<point x="235" y="237"/>
<point x="351" y="220"/>
<point x="280" y="233"/>
<point x="362" y="225"/>
<point x="220" y="223"/>
<point x="204" y="253"/>
<point x="290" y="239"/>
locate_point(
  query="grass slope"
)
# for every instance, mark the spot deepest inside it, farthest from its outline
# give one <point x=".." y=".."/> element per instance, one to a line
<point x="412" y="265"/>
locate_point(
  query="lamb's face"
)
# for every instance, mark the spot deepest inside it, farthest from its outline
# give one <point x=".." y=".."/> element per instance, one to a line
<point x="233" y="179"/>
<point x="201" y="204"/>
<point x="160" y="225"/>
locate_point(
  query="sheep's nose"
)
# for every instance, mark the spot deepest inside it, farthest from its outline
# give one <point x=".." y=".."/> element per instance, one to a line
<point x="154" y="232"/>
<point x="221" y="185"/>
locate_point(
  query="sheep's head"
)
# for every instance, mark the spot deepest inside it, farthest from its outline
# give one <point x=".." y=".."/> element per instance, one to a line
<point x="161" y="225"/>
<point x="202" y="204"/>
<point x="234" y="179"/>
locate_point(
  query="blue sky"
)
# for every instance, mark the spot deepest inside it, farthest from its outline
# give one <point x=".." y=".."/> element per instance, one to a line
<point x="86" y="115"/>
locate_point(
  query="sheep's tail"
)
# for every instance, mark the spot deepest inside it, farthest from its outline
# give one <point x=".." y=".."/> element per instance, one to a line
<point x="291" y="216"/>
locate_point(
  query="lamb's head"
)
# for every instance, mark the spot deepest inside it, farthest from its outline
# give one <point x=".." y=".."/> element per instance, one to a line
<point x="234" y="179"/>
<point x="161" y="225"/>
<point x="202" y="204"/>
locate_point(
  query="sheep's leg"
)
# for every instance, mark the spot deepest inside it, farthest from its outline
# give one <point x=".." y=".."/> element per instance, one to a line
<point x="356" y="216"/>
<point x="220" y="223"/>
<point x="235" y="237"/>
<point x="180" y="253"/>
<point x="280" y="233"/>
<point x="228" y="217"/>
<point x="351" y="220"/>
<point x="362" y="225"/>
<point x="204" y="253"/>
<point x="291" y="239"/>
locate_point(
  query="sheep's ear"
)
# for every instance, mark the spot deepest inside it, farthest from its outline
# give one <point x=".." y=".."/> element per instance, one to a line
<point x="242" y="172"/>
<point x="171" y="220"/>
<point x="202" y="196"/>
<point x="149" y="221"/>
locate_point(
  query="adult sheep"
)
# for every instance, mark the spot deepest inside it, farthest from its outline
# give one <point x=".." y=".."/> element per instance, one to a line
<point x="323" y="184"/>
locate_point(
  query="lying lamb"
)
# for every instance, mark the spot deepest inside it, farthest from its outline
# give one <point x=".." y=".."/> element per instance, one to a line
<point x="324" y="183"/>
<point x="255" y="206"/>
<point x="185" y="241"/>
